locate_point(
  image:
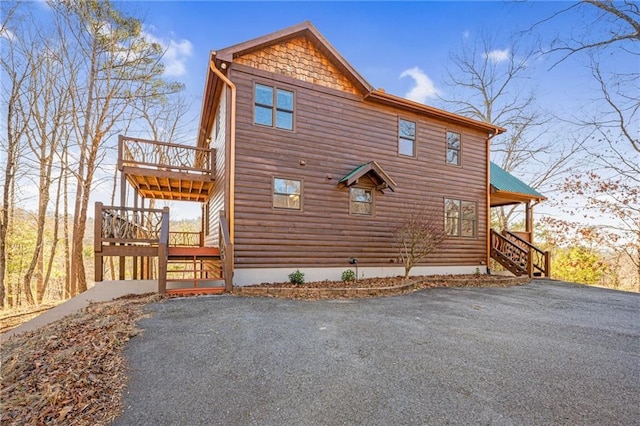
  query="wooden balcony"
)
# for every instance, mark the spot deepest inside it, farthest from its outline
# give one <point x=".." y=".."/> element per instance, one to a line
<point x="167" y="171"/>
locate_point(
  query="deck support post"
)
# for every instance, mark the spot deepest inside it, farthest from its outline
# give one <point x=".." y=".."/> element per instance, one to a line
<point x="163" y="252"/>
<point x="97" y="243"/>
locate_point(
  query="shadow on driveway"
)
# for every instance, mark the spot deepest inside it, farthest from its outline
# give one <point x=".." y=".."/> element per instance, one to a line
<point x="547" y="352"/>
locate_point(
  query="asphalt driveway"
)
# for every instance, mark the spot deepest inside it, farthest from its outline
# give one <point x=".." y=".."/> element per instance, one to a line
<point x="544" y="353"/>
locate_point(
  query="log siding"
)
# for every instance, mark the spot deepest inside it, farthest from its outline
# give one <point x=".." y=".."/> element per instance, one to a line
<point x="334" y="132"/>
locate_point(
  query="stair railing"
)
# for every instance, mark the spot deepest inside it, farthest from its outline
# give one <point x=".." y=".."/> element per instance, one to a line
<point x="538" y="260"/>
<point x="226" y="251"/>
<point x="511" y="256"/>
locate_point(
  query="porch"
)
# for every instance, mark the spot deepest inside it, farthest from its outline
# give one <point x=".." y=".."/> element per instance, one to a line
<point x="515" y="251"/>
<point x="140" y="237"/>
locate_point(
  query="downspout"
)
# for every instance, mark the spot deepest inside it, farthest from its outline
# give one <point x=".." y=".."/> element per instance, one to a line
<point x="232" y="148"/>
<point x="488" y="183"/>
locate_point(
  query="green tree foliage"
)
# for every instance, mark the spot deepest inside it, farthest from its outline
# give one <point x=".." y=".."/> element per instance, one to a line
<point x="580" y="265"/>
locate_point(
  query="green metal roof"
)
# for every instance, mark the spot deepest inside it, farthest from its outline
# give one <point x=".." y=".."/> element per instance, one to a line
<point x="354" y="172"/>
<point x="502" y="180"/>
<point x="370" y="167"/>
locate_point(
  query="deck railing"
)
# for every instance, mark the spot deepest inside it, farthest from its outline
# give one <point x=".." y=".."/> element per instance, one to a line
<point x="185" y="239"/>
<point x="127" y="224"/>
<point x="165" y="156"/>
<point x="131" y="232"/>
<point x="226" y="251"/>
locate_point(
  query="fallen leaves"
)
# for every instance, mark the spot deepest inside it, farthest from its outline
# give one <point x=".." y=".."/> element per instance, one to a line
<point x="71" y="371"/>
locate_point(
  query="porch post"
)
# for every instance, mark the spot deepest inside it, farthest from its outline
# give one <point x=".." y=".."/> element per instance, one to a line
<point x="529" y="220"/>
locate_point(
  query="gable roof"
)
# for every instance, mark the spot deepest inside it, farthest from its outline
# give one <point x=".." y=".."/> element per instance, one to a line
<point x="507" y="189"/>
<point x="222" y="58"/>
<point x="304" y="29"/>
<point x="373" y="169"/>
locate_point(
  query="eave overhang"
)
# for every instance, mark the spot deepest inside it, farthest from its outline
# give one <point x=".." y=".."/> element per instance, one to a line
<point x="505" y="198"/>
<point x="396" y="101"/>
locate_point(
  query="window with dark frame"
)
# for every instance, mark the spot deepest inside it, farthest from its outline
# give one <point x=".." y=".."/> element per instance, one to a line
<point x="273" y="107"/>
<point x="460" y="218"/>
<point x="453" y="148"/>
<point x="406" y="138"/>
<point x="287" y="194"/>
<point x="361" y="201"/>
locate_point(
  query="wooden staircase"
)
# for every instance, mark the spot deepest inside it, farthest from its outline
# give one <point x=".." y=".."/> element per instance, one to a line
<point x="201" y="266"/>
<point x="143" y="234"/>
<point x="519" y="256"/>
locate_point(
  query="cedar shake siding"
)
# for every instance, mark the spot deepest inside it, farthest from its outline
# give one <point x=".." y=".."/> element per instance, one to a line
<point x="335" y="131"/>
<point x="299" y="59"/>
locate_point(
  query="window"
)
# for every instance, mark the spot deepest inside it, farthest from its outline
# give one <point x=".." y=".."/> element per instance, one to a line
<point x="361" y="201"/>
<point x="460" y="218"/>
<point x="453" y="148"/>
<point x="287" y="193"/>
<point x="406" y="138"/>
<point x="218" y="123"/>
<point x="273" y="105"/>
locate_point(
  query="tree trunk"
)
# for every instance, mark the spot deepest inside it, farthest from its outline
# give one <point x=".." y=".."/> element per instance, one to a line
<point x="36" y="259"/>
<point x="54" y="245"/>
<point x="65" y="230"/>
<point x="83" y="187"/>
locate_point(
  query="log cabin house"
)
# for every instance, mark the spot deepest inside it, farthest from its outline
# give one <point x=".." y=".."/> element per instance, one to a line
<point x="301" y="164"/>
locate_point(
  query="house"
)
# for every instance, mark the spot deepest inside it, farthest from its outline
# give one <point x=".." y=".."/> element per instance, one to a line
<point x="301" y="164"/>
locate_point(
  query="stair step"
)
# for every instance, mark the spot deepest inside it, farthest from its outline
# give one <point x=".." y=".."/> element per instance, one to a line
<point x="195" y="291"/>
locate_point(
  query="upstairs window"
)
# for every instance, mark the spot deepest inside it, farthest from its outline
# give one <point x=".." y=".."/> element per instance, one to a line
<point x="273" y="107"/>
<point x="287" y="194"/>
<point x="361" y="201"/>
<point x="460" y="218"/>
<point x="406" y="138"/>
<point x="453" y="148"/>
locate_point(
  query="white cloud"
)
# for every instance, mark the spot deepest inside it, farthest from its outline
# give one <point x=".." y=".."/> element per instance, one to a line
<point x="424" y="88"/>
<point x="176" y="54"/>
<point x="466" y="34"/>
<point x="496" y="56"/>
<point x="7" y="34"/>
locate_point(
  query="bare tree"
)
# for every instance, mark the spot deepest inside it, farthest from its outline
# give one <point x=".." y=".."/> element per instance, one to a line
<point x="14" y="65"/>
<point x="620" y="21"/>
<point x="417" y="235"/>
<point x="48" y="129"/>
<point x="490" y="82"/>
<point x="116" y="67"/>
<point x="613" y="192"/>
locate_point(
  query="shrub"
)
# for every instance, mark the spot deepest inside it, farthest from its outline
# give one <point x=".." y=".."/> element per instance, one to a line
<point x="296" y="277"/>
<point x="418" y="233"/>
<point x="348" y="275"/>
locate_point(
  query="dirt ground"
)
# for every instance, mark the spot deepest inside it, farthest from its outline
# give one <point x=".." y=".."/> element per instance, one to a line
<point x="71" y="371"/>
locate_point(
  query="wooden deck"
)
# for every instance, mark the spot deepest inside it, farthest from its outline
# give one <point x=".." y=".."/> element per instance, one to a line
<point x="167" y="171"/>
<point x="143" y="236"/>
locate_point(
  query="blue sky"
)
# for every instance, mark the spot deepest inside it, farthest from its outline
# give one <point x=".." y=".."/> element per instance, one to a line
<point x="403" y="47"/>
<point x="387" y="42"/>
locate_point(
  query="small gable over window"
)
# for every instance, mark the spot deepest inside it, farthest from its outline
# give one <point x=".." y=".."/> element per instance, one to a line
<point x="373" y="170"/>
